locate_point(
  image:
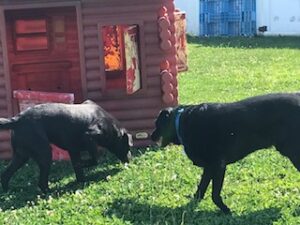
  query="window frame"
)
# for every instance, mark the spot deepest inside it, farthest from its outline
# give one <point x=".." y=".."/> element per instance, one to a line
<point x="106" y="93"/>
<point x="123" y="57"/>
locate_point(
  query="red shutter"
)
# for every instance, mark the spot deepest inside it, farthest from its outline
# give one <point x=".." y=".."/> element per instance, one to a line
<point x="133" y="74"/>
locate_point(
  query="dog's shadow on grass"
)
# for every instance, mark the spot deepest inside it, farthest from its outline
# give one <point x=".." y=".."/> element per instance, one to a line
<point x="92" y="175"/>
<point x="23" y="190"/>
<point x="136" y="213"/>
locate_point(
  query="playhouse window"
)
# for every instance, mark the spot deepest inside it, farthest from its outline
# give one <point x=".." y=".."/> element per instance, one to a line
<point x="121" y="57"/>
<point x="31" y="34"/>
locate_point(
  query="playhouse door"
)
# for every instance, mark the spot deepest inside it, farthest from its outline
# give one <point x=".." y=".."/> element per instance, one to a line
<point x="44" y="51"/>
<point x="133" y="74"/>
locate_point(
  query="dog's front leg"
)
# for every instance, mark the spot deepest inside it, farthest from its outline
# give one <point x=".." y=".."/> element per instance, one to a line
<point x="91" y="147"/>
<point x="202" y="187"/>
<point x="88" y="163"/>
<point x="218" y="173"/>
<point x="77" y="165"/>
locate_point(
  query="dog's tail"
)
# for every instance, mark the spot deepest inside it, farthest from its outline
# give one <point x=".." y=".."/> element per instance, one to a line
<point x="7" y="123"/>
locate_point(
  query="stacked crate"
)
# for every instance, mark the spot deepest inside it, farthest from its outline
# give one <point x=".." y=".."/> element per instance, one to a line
<point x="227" y="17"/>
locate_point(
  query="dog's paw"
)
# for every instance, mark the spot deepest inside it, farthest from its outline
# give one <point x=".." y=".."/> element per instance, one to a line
<point x="80" y="179"/>
<point x="44" y="188"/>
<point x="198" y="196"/>
<point x="89" y="163"/>
<point x="226" y="211"/>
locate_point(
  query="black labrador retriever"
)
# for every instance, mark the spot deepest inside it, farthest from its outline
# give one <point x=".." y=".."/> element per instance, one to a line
<point x="75" y="128"/>
<point x="217" y="134"/>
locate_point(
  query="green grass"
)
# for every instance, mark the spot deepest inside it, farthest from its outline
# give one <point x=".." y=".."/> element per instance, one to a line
<point x="155" y="188"/>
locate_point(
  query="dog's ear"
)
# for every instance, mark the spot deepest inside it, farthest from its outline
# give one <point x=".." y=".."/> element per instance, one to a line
<point x="165" y="113"/>
<point x="130" y="140"/>
<point x="94" y="130"/>
<point x="126" y="137"/>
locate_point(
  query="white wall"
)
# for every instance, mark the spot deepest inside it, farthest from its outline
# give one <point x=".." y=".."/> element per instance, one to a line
<point x="192" y="9"/>
<point x="282" y="17"/>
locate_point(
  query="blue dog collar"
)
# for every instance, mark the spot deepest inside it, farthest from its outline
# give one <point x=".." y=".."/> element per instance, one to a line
<point x="177" y="119"/>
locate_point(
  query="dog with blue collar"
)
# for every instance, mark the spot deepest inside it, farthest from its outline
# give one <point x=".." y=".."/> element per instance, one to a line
<point x="217" y="134"/>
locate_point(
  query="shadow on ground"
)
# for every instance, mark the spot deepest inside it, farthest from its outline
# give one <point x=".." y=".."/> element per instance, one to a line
<point x="279" y="42"/>
<point x="136" y="213"/>
<point x="23" y="188"/>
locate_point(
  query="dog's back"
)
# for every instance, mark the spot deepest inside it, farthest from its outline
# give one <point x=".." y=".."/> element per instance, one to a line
<point x="62" y="123"/>
<point x="238" y="128"/>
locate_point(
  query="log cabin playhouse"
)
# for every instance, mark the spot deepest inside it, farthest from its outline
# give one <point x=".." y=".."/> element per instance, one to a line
<point x="120" y="54"/>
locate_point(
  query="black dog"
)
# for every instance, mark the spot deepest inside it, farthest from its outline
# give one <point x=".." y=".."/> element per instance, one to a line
<point x="215" y="134"/>
<point x="75" y="128"/>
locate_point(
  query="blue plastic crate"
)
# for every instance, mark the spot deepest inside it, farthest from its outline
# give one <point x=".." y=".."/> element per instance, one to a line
<point x="227" y="17"/>
<point x="234" y="28"/>
<point x="248" y="5"/>
<point x="234" y="17"/>
<point x="248" y="28"/>
<point x="234" y="6"/>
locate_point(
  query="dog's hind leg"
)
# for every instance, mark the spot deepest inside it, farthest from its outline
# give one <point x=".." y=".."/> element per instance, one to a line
<point x="44" y="164"/>
<point x="218" y="173"/>
<point x="202" y="187"/>
<point x="17" y="162"/>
